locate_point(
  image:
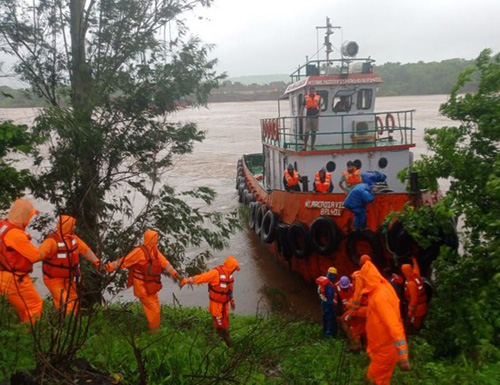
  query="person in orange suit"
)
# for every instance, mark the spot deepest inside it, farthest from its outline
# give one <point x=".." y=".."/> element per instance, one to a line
<point x="61" y="266"/>
<point x="17" y="256"/>
<point x="353" y="321"/>
<point x="145" y="265"/>
<point x="220" y="291"/>
<point x="386" y="340"/>
<point x="415" y="296"/>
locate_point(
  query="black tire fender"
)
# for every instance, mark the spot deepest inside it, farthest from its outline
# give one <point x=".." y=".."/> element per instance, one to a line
<point x="369" y="237"/>
<point x="268" y="227"/>
<point x="299" y="240"/>
<point x="249" y="197"/>
<point x="251" y="214"/>
<point x="321" y="228"/>
<point x="282" y="238"/>
<point x="241" y="187"/>
<point x="262" y="210"/>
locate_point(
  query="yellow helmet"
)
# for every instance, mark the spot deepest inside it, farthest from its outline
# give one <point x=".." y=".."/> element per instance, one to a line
<point x="332" y="270"/>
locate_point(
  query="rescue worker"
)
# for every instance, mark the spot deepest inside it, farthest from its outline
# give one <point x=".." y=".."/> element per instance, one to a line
<point x="351" y="177"/>
<point x="17" y="256"/>
<point x="353" y="320"/>
<point x="343" y="105"/>
<point x="327" y="296"/>
<point x="415" y="296"/>
<point x="61" y="265"/>
<point x="386" y="340"/>
<point x="291" y="179"/>
<point x="312" y="102"/>
<point x="220" y="292"/>
<point x="323" y="182"/>
<point x="356" y="201"/>
<point x="345" y="291"/>
<point x="145" y="265"/>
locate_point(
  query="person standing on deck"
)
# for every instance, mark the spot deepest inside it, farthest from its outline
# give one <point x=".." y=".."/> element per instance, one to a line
<point x="312" y="103"/>
<point x="291" y="179"/>
<point x="351" y="177"/>
<point x="323" y="182"/>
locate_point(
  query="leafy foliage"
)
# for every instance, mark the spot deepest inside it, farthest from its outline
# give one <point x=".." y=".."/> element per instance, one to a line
<point x="13" y="138"/>
<point x="465" y="310"/>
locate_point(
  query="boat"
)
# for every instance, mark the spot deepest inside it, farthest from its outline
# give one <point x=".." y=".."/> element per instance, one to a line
<point x="309" y="231"/>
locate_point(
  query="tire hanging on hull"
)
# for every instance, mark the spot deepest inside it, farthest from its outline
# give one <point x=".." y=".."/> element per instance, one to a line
<point x="282" y="239"/>
<point x="268" y="227"/>
<point x="325" y="235"/>
<point x="367" y="237"/>
<point x="299" y="240"/>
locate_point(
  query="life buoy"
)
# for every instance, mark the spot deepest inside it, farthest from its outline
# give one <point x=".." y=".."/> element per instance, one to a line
<point x="262" y="210"/>
<point x="282" y="239"/>
<point x="268" y="129"/>
<point x="251" y="214"/>
<point x="325" y="235"/>
<point x="268" y="227"/>
<point x="299" y="240"/>
<point x="276" y="134"/>
<point x="379" y="125"/>
<point x="390" y="123"/>
<point x="364" y="242"/>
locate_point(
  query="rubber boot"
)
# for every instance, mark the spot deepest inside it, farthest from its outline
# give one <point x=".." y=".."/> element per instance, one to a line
<point x="224" y="334"/>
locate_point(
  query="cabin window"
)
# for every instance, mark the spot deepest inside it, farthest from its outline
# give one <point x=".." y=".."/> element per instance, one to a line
<point x="342" y="102"/>
<point x="365" y="97"/>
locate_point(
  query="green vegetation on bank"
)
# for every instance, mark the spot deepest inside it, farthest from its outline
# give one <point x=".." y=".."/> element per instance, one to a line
<point x="271" y="350"/>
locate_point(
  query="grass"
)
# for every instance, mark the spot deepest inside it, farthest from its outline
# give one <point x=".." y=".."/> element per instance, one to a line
<point x="270" y="350"/>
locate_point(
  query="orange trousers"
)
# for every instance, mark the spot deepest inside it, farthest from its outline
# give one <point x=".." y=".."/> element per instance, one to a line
<point x="220" y="314"/>
<point x="357" y="327"/>
<point x="63" y="292"/>
<point x="151" y="305"/>
<point x="22" y="295"/>
<point x="382" y="365"/>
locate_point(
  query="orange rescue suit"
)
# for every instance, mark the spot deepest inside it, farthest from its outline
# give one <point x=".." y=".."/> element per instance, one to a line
<point x="291" y="180"/>
<point x="144" y="264"/>
<point x="322" y="186"/>
<point x="62" y="263"/>
<point x="17" y="255"/>
<point x="415" y="294"/>
<point x="313" y="102"/>
<point x="352" y="178"/>
<point x="386" y="340"/>
<point x="219" y="279"/>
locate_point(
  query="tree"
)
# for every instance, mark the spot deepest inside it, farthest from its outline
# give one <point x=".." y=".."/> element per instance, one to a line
<point x="13" y="138"/>
<point x="465" y="311"/>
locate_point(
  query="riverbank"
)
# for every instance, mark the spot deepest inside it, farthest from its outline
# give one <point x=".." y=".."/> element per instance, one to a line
<point x="271" y="350"/>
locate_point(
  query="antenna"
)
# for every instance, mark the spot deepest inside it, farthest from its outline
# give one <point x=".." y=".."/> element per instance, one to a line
<point x="329" y="31"/>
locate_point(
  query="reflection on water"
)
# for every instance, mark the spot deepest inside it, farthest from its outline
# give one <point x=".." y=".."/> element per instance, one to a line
<point x="233" y="129"/>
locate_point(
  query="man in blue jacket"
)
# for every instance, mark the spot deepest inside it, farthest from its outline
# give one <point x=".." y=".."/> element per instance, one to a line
<point x="361" y="195"/>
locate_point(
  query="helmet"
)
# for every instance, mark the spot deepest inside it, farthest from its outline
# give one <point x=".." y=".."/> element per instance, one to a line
<point x="332" y="270"/>
<point x="344" y="282"/>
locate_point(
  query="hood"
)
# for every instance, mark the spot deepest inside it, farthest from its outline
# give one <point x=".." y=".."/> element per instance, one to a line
<point x="372" y="279"/>
<point x="21" y="212"/>
<point x="150" y="239"/>
<point x="231" y="264"/>
<point x="66" y="225"/>
<point x="407" y="270"/>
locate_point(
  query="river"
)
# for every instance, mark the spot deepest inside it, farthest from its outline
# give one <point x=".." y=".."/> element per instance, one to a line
<point x="232" y="129"/>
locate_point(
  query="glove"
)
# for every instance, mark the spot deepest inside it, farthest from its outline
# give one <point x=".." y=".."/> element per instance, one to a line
<point x="108" y="267"/>
<point x="182" y="282"/>
<point x="233" y="305"/>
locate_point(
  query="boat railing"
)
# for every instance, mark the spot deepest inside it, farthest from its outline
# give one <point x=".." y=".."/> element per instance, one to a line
<point x="380" y="129"/>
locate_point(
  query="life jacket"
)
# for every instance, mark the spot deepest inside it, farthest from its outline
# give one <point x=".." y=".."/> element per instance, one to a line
<point x="352" y="178"/>
<point x="148" y="272"/>
<point x="322" y="186"/>
<point x="291" y="180"/>
<point x="322" y="283"/>
<point x="66" y="262"/>
<point x="221" y="293"/>
<point x="313" y="102"/>
<point x="422" y="295"/>
<point x="10" y="259"/>
<point x="344" y="295"/>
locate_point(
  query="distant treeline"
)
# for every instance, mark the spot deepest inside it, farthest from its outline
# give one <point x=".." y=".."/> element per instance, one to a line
<point x="399" y="79"/>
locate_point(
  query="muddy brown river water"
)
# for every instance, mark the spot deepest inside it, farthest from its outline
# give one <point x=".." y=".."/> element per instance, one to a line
<point x="232" y="129"/>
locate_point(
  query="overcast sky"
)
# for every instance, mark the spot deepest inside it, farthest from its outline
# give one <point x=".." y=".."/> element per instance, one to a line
<point x="257" y="37"/>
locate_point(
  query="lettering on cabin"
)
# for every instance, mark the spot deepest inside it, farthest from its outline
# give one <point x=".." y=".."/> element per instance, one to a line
<point x="330" y="208"/>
